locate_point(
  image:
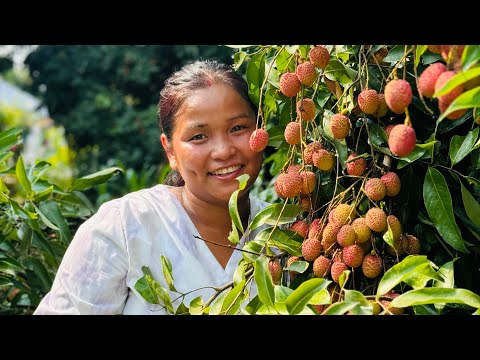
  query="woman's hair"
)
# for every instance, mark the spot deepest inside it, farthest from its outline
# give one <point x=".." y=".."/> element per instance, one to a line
<point x="179" y="86"/>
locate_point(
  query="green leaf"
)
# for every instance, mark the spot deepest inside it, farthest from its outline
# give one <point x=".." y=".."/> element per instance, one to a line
<point x="466" y="100"/>
<point x="40" y="272"/>
<point x="438" y="203"/>
<point x="52" y="212"/>
<point x="299" y="298"/>
<point x="182" y="310"/>
<point x="337" y="71"/>
<point x="281" y="239"/>
<point x="340" y="308"/>
<point x="255" y="73"/>
<point x="421" y="276"/>
<point x="395" y="54"/>
<point x="281" y="293"/>
<point x="448" y="280"/>
<point x="7" y="268"/>
<point x="254" y="246"/>
<point x="470" y="56"/>
<point x="10" y="138"/>
<point x="253" y="306"/>
<point x="233" y="300"/>
<point x="419" y="151"/>
<point x="342" y="279"/>
<point x="437" y="295"/>
<point x="461" y="146"/>
<point x="263" y="279"/>
<point x="163" y="294"/>
<point x="167" y="272"/>
<point x="321" y="297"/>
<point x="285" y="61"/>
<point x="216" y="305"/>
<point x="273" y="213"/>
<point x="196" y="306"/>
<point x="363" y="306"/>
<point x="43" y="195"/>
<point x="145" y="291"/>
<point x="22" y="177"/>
<point x="299" y="266"/>
<point x="100" y="177"/>
<point x="233" y="208"/>
<point x="5" y="281"/>
<point x="419" y="50"/>
<point x="239" y="274"/>
<point x="238" y="58"/>
<point x="398" y="272"/>
<point x="45" y="219"/>
<point x="471" y="206"/>
<point x="457" y="80"/>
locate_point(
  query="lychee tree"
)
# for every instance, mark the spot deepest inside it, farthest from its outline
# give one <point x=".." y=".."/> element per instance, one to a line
<point x="372" y="165"/>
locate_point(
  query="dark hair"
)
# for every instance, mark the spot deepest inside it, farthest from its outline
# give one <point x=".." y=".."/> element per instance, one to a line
<point x="178" y="87"/>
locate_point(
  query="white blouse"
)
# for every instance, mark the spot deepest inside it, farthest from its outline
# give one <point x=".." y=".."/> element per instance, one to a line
<point x="99" y="270"/>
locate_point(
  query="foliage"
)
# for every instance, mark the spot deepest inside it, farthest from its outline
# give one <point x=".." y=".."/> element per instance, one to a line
<point x="37" y="220"/>
<point x="430" y="262"/>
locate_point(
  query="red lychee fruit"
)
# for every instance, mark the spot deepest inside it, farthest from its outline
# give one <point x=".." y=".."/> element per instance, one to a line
<point x="372" y="266"/>
<point x="453" y="115"/>
<point x="342" y="214"/>
<point x="340" y="126"/>
<point x="388" y="129"/>
<point x="368" y="101"/>
<point x="292" y="133"/>
<point x="290" y="261"/>
<point x="305" y="202"/>
<point x="356" y="167"/>
<point x="289" y="84"/>
<point x="428" y="78"/>
<point x="321" y="266"/>
<point x="293" y="168"/>
<point x="300" y="227"/>
<point x="319" y="56"/>
<point x="323" y="160"/>
<point x="376" y="219"/>
<point x="392" y="183"/>
<point x="311" y="249"/>
<point x="395" y="225"/>
<point x="309" y="181"/>
<point x="382" y="109"/>
<point x="337" y="269"/>
<point x="412" y="245"/>
<point x="310" y="150"/>
<point x="375" y="189"/>
<point x="402" y="140"/>
<point x="436" y="49"/>
<point x="329" y="235"/>
<point x="448" y="98"/>
<point x="389" y="310"/>
<point x="353" y="255"/>
<point x="259" y="140"/>
<point x="362" y="231"/>
<point x="288" y="185"/>
<point x="306" y="73"/>
<point x="306" y="109"/>
<point x="398" y="95"/>
<point x="316" y="229"/>
<point x="346" y="235"/>
<point x="275" y="270"/>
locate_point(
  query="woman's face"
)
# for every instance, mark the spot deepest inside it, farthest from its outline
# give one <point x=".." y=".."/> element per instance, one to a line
<point x="210" y="143"/>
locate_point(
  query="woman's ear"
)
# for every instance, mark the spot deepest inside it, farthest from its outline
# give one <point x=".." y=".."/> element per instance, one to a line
<point x="168" y="149"/>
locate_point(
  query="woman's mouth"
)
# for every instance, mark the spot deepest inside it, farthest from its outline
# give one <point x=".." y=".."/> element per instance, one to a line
<point x="227" y="172"/>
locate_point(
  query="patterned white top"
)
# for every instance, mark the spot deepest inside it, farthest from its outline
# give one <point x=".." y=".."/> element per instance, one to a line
<point x="98" y="273"/>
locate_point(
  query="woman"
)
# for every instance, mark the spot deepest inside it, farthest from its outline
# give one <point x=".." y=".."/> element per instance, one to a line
<point x="206" y="118"/>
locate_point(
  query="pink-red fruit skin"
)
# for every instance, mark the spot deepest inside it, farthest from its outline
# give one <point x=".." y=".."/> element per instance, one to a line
<point x="259" y="140"/>
<point x="289" y="84"/>
<point x="428" y="78"/>
<point x="398" y="95"/>
<point x="402" y="140"/>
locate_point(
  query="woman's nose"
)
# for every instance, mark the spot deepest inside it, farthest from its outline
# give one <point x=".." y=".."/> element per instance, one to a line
<point x="223" y="148"/>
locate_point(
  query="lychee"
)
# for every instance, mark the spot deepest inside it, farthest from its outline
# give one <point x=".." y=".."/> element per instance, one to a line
<point x="368" y="101"/>
<point x="305" y="202"/>
<point x="316" y="229"/>
<point x="289" y="84"/>
<point x="442" y="107"/>
<point x="340" y="126"/>
<point x="319" y="56"/>
<point x="436" y="49"/>
<point x="372" y="266"/>
<point x="309" y="181"/>
<point x="275" y="270"/>
<point x="428" y="78"/>
<point x="258" y="140"/>
<point x="412" y="245"/>
<point x="398" y="95"/>
<point x="448" y="98"/>
<point x="388" y="130"/>
<point x="376" y="219"/>
<point x="362" y="231"/>
<point x="306" y="73"/>
<point x="323" y="160"/>
<point x="311" y="249"/>
<point x="337" y="269"/>
<point x="392" y="183"/>
<point x="309" y="150"/>
<point x="300" y="227"/>
<point x="356" y="167"/>
<point x="292" y="133"/>
<point x="306" y="109"/>
<point x="288" y="185"/>
<point x="329" y="235"/>
<point x="353" y="255"/>
<point x="395" y="225"/>
<point x="346" y="235"/>
<point x="382" y="108"/>
<point x="290" y="261"/>
<point x="321" y="266"/>
<point x="342" y="214"/>
<point x="402" y="140"/>
<point x="374" y="189"/>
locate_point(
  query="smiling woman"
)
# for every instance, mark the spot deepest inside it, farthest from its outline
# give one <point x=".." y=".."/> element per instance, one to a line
<point x="206" y="118"/>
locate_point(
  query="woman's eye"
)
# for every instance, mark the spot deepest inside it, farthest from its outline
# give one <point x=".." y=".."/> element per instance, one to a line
<point x="238" y="128"/>
<point x="198" y="137"/>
